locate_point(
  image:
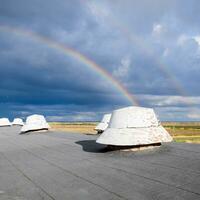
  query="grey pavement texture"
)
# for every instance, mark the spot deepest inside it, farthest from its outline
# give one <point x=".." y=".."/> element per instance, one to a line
<point x="62" y="166"/>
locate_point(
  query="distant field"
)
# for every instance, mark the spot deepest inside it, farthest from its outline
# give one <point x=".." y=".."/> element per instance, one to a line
<point x="180" y="131"/>
<point x="75" y="127"/>
<point x="184" y="131"/>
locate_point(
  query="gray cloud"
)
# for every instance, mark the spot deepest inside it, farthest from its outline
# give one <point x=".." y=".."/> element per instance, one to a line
<point x="151" y="47"/>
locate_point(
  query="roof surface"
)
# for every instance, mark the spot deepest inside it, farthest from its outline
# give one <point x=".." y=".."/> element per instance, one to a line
<point x="62" y="166"/>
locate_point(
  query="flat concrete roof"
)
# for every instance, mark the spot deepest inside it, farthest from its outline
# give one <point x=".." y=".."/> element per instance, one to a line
<point x="62" y="166"/>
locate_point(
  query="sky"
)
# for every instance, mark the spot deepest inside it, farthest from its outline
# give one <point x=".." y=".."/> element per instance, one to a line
<point x="150" y="48"/>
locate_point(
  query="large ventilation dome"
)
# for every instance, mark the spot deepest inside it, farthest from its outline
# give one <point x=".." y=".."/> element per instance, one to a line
<point x="103" y="125"/>
<point x="4" y="122"/>
<point x="134" y="126"/>
<point x="35" y="123"/>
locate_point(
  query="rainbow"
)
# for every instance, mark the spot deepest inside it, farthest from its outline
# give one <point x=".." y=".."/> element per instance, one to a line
<point x="129" y="35"/>
<point x="74" y="54"/>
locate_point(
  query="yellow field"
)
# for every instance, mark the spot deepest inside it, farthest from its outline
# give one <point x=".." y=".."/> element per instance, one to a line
<point x="184" y="132"/>
<point x="84" y="127"/>
<point x="181" y="132"/>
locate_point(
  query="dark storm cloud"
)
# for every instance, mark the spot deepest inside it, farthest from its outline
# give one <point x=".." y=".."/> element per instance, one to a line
<point x="40" y="14"/>
<point x="132" y="40"/>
